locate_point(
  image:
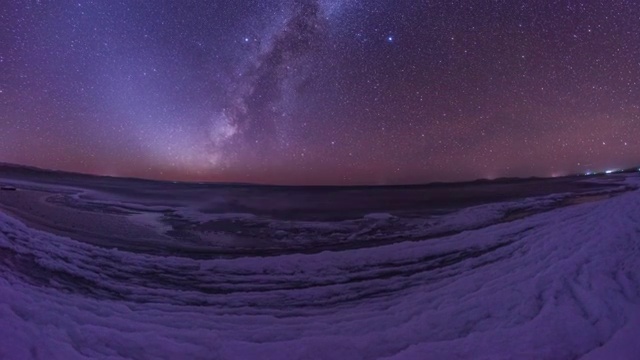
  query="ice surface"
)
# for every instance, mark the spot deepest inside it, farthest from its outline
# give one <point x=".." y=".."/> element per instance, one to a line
<point x="558" y="284"/>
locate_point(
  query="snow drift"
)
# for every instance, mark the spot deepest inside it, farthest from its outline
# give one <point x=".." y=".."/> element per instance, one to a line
<point x="554" y="285"/>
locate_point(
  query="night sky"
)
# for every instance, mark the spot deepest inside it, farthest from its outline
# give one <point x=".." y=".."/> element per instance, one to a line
<point x="320" y="91"/>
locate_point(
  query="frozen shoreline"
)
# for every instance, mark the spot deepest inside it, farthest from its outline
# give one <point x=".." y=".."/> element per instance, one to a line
<point x="557" y="284"/>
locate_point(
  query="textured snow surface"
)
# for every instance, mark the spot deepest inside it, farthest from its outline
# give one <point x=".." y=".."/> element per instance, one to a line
<point x="556" y="285"/>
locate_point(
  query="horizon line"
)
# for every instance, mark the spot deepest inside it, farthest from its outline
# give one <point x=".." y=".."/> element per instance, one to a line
<point x="222" y="183"/>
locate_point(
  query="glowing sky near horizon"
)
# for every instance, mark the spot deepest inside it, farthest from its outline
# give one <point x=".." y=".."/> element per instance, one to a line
<point x="320" y="91"/>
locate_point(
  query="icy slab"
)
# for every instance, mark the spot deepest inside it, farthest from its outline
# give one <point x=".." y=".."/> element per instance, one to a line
<point x="623" y="345"/>
<point x="555" y="285"/>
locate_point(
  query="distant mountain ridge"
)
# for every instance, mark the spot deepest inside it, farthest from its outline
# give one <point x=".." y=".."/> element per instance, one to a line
<point x="18" y="169"/>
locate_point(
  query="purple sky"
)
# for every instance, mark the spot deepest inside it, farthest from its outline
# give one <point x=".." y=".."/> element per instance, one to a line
<point x="320" y="91"/>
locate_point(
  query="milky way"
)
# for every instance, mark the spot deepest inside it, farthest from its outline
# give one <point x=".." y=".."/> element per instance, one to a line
<point x="320" y="92"/>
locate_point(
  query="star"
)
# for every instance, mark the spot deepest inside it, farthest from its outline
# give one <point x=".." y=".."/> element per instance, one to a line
<point x="344" y="80"/>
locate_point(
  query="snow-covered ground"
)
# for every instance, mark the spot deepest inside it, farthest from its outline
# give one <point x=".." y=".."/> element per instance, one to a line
<point x="555" y="284"/>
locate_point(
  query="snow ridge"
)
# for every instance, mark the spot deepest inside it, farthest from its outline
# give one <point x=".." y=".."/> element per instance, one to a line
<point x="554" y="285"/>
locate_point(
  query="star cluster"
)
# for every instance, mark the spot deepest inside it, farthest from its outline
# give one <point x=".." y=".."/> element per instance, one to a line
<point x="320" y="91"/>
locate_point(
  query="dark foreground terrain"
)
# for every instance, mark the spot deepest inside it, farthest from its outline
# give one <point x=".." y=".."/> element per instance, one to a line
<point x="94" y="267"/>
<point x="212" y="220"/>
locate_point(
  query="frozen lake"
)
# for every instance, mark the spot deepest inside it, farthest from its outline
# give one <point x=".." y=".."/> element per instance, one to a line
<point x="130" y="269"/>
